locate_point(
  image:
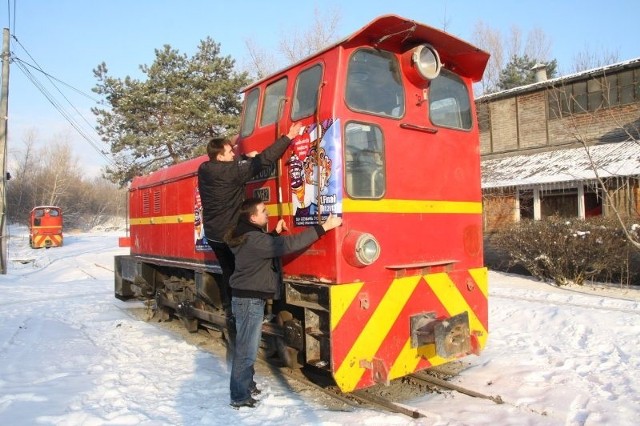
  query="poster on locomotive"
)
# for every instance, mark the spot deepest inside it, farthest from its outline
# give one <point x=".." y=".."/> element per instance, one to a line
<point x="198" y="224"/>
<point x="315" y="171"/>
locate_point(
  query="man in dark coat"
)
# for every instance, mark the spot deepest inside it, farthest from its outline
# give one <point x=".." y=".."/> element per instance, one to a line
<point x="221" y="183"/>
<point x="257" y="278"/>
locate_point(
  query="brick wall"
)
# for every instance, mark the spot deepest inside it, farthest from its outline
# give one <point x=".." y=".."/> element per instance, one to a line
<point x="498" y="210"/>
<point x="532" y="120"/>
<point x="504" y="125"/>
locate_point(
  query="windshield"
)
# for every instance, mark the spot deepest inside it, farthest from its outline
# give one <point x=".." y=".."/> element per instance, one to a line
<point x="374" y="84"/>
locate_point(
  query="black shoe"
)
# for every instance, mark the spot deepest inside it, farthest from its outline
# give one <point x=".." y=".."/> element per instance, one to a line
<point x="249" y="402"/>
<point x="255" y="391"/>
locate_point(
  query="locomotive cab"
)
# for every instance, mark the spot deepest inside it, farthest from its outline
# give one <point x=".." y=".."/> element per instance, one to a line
<point x="391" y="145"/>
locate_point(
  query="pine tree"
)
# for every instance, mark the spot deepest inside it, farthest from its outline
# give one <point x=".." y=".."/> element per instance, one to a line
<point x="168" y="116"/>
<point x="519" y="72"/>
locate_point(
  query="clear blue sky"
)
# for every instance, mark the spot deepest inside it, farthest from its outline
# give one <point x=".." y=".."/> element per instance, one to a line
<point x="69" y="38"/>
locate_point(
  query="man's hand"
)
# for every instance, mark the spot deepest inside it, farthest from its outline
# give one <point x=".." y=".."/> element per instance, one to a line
<point x="294" y="130"/>
<point x="332" y="222"/>
<point x="281" y="226"/>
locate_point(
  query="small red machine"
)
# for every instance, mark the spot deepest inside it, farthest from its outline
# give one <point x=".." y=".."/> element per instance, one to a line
<point x="45" y="227"/>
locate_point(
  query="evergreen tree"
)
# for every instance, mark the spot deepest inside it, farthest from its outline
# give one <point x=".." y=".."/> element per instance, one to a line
<point x="167" y="117"/>
<point x="519" y="72"/>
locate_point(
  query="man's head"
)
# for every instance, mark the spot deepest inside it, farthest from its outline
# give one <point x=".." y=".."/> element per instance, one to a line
<point x="220" y="149"/>
<point x="254" y="211"/>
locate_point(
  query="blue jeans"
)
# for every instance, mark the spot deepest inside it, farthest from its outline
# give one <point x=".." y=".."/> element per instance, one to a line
<point x="249" y="314"/>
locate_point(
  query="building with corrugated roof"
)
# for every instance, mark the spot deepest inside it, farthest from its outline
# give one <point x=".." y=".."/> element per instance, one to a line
<point x="546" y="146"/>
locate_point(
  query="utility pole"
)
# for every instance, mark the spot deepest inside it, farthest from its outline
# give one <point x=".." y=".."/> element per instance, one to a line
<point x="4" y="118"/>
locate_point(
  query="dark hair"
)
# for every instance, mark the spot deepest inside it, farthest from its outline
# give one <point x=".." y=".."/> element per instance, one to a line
<point x="216" y="146"/>
<point x="249" y="207"/>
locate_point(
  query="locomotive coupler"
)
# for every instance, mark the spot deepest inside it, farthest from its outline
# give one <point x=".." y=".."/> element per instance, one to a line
<point x="451" y="336"/>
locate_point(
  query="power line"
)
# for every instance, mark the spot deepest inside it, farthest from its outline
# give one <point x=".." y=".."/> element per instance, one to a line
<point x="61" y="110"/>
<point x="24" y="68"/>
<point x="80" y="92"/>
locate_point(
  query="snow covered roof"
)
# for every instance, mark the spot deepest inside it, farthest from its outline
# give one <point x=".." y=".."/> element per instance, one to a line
<point x="566" y="165"/>
<point x="562" y="79"/>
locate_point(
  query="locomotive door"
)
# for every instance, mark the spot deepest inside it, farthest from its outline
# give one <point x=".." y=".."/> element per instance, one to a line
<point x="301" y="165"/>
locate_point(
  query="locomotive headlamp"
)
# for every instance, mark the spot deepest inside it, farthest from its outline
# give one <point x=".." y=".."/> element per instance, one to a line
<point x="426" y="61"/>
<point x="360" y="248"/>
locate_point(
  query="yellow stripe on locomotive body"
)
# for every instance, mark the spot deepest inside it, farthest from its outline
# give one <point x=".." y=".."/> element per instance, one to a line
<point x="163" y="220"/>
<point x="366" y="360"/>
<point x="412" y="206"/>
<point x="394" y="206"/>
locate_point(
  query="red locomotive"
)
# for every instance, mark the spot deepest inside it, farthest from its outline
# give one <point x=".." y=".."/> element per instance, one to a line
<point x="45" y="227"/>
<point x="391" y="144"/>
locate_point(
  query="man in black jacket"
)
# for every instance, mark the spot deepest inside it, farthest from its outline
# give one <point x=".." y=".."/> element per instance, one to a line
<point x="221" y="183"/>
<point x="258" y="277"/>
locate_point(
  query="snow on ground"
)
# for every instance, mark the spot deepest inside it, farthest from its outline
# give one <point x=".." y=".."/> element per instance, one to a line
<point x="72" y="354"/>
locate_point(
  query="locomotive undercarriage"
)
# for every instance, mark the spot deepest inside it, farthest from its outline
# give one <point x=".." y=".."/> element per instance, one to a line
<point x="295" y="331"/>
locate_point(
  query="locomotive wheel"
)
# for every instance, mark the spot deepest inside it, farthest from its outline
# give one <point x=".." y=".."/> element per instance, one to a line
<point x="287" y="354"/>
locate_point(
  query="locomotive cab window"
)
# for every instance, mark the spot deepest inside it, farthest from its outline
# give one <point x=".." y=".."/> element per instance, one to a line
<point x="364" y="161"/>
<point x="273" y="96"/>
<point x="449" y="104"/>
<point x="305" y="95"/>
<point x="374" y="83"/>
<point x="250" y="112"/>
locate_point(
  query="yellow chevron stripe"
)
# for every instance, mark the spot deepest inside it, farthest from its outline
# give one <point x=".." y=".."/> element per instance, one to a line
<point x="481" y="277"/>
<point x="374" y="332"/>
<point x="411" y="206"/>
<point x="41" y="240"/>
<point x="448" y="294"/>
<point x="162" y="220"/>
<point x="341" y="297"/>
<point x="408" y="358"/>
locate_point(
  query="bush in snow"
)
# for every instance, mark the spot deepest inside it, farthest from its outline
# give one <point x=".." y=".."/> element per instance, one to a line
<point x="568" y="251"/>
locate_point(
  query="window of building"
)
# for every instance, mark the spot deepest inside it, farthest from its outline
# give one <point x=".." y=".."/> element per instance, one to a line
<point x="558" y="99"/>
<point x="364" y="160"/>
<point x="592" y="203"/>
<point x="559" y="202"/>
<point x="250" y="112"/>
<point x="374" y="84"/>
<point x="594" y="94"/>
<point x="611" y="83"/>
<point x="449" y="104"/>
<point x="273" y="96"/>
<point x="590" y="95"/>
<point x="525" y="200"/>
<point x="626" y="87"/>
<point x="305" y="95"/>
<point x="579" y="98"/>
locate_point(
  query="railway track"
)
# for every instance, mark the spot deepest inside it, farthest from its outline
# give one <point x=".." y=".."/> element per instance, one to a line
<point x="381" y="397"/>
